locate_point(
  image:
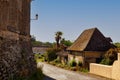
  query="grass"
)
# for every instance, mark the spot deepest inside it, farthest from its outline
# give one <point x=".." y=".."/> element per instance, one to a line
<point x="68" y="67"/>
<point x="39" y="58"/>
<point x="56" y="62"/>
<point x="38" y="75"/>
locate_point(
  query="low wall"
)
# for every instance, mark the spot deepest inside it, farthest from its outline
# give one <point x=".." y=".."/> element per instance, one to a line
<point x="112" y="72"/>
<point x="102" y="70"/>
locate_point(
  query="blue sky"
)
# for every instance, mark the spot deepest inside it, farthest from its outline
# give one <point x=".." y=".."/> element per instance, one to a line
<point x="73" y="16"/>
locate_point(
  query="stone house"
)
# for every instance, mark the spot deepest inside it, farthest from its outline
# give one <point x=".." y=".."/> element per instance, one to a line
<point x="63" y="56"/>
<point x="89" y="47"/>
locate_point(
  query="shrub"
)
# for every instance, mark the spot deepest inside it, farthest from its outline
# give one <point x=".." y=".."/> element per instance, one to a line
<point x="38" y="75"/>
<point x="109" y="57"/>
<point x="84" y="70"/>
<point x="50" y="55"/>
<point x="57" y="60"/>
<point x="73" y="68"/>
<point x="39" y="57"/>
<point x="79" y="63"/>
<point x="72" y="63"/>
<point x="106" y="61"/>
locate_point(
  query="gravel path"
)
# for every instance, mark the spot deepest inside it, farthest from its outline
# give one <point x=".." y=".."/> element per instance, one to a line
<point x="55" y="73"/>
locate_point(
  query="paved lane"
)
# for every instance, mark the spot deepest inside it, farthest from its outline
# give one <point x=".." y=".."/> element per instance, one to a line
<point x="55" y="73"/>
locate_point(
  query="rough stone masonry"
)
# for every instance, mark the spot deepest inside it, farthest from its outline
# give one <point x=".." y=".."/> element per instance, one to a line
<point x="16" y="57"/>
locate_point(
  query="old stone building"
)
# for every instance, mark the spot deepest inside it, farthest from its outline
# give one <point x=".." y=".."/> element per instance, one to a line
<point x="89" y="47"/>
<point x="16" y="57"/>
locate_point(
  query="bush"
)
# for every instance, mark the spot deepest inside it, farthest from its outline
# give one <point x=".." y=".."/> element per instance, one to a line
<point x="83" y="70"/>
<point x="79" y="63"/>
<point x="106" y="61"/>
<point x="39" y="57"/>
<point x="50" y="55"/>
<point x="38" y="75"/>
<point x="72" y="63"/>
<point x="57" y="60"/>
<point x="109" y="57"/>
<point x="73" y="68"/>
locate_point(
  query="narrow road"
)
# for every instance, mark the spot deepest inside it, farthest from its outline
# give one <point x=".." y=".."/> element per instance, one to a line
<point x="55" y="73"/>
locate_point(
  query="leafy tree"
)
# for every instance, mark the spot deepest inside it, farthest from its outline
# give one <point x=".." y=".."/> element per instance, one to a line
<point x="34" y="42"/>
<point x="58" y="35"/>
<point x="66" y="42"/>
<point x="109" y="57"/>
<point x="48" y="44"/>
<point x="33" y="38"/>
<point x="117" y="44"/>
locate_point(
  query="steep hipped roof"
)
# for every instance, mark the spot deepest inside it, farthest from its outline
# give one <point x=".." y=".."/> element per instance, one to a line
<point x="90" y="40"/>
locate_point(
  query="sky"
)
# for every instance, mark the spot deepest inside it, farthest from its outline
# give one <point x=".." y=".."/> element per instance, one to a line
<point x="72" y="17"/>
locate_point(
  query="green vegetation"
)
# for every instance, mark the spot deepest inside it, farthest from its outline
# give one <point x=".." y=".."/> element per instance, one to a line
<point x="72" y="63"/>
<point x="60" y="42"/>
<point x="80" y="63"/>
<point x="109" y="57"/>
<point x="50" y="55"/>
<point x="66" y="42"/>
<point x="39" y="57"/>
<point x="34" y="42"/>
<point x="85" y="70"/>
<point x="106" y="61"/>
<point x="117" y="44"/>
<point x="58" y="35"/>
<point x="37" y="75"/>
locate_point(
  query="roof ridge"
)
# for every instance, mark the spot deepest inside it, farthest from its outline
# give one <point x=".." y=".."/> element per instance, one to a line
<point x="85" y="39"/>
<point x="93" y="30"/>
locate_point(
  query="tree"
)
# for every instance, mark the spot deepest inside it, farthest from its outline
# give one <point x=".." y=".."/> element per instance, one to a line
<point x="58" y="35"/>
<point x="67" y="43"/>
<point x="35" y="42"/>
<point x="117" y="44"/>
<point x="109" y="57"/>
<point x="33" y="38"/>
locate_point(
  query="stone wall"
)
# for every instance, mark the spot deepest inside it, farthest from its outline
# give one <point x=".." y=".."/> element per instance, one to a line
<point x="16" y="57"/>
<point x="102" y="70"/>
<point x="85" y="57"/>
<point x="112" y="72"/>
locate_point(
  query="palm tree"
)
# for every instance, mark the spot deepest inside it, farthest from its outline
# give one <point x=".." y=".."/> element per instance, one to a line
<point x="58" y="35"/>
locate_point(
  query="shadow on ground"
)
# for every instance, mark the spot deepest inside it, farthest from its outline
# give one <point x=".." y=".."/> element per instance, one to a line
<point x="48" y="78"/>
